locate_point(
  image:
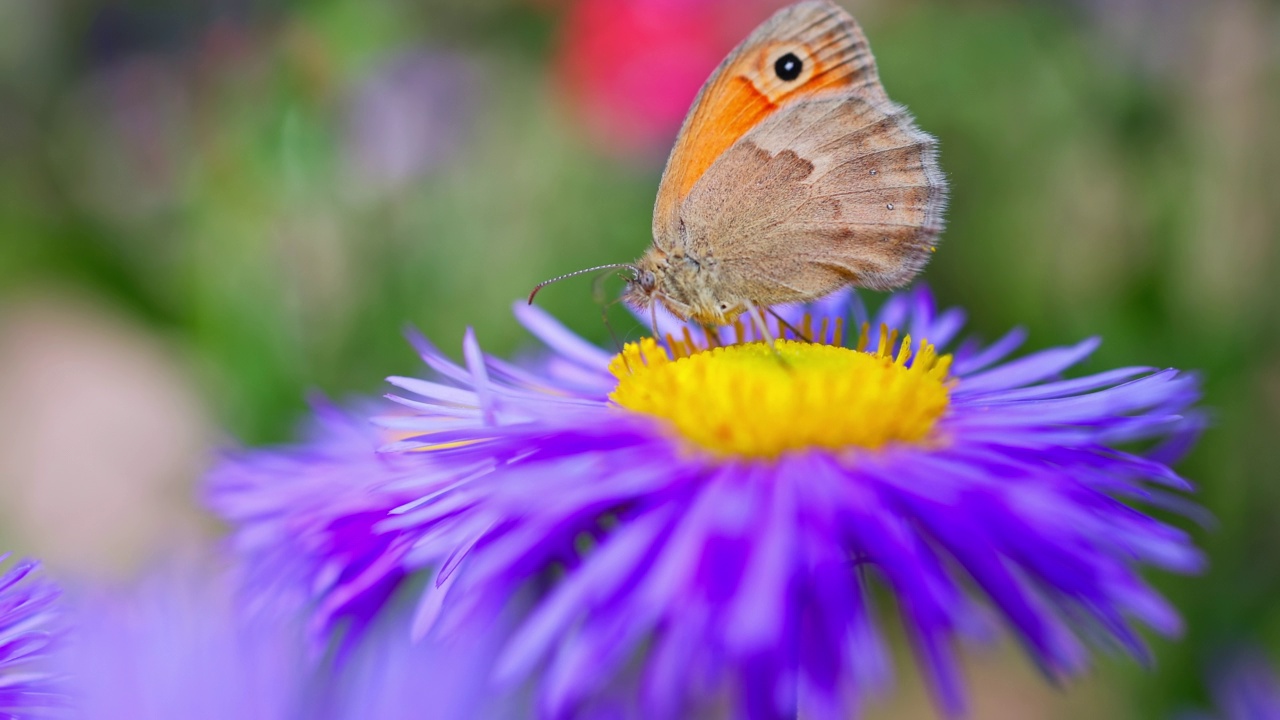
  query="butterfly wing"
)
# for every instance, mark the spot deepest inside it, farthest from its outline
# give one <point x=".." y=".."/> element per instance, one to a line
<point x="824" y="193"/>
<point x="746" y="90"/>
<point x="797" y="188"/>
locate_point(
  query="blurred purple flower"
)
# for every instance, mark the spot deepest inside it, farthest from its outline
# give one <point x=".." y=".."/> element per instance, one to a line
<point x="389" y="676"/>
<point x="407" y="118"/>
<point x="179" y="646"/>
<point x="684" y="555"/>
<point x="1245" y="688"/>
<point x="182" y="645"/>
<point x="304" y="519"/>
<point x="27" y="632"/>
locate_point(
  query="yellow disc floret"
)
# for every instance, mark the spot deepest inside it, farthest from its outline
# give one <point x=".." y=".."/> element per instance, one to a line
<point x="748" y="400"/>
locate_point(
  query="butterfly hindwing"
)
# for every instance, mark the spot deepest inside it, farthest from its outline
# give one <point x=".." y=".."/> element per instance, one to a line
<point x="823" y="193"/>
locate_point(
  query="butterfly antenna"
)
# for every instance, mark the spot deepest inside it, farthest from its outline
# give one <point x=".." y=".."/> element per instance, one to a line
<point x="544" y="283"/>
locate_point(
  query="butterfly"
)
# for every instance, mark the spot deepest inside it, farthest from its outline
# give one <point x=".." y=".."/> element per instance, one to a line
<point x="793" y="176"/>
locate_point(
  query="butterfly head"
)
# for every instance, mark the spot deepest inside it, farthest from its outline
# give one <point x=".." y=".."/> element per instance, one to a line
<point x="685" y="285"/>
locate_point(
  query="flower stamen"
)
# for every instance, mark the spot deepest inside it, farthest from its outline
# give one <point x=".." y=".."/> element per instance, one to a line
<point x="737" y="400"/>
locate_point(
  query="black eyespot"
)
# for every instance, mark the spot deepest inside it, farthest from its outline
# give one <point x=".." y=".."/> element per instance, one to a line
<point x="788" y="67"/>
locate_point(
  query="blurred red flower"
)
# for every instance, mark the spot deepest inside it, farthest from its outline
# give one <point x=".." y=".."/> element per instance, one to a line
<point x="631" y="68"/>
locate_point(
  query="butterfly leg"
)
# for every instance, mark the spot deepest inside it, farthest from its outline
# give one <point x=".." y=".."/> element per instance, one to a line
<point x="604" y="317"/>
<point x="653" y="323"/>
<point x="800" y="334"/>
<point x="712" y="335"/>
<point x="763" y="326"/>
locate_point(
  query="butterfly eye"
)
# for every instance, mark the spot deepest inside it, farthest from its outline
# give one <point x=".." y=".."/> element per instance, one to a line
<point x="724" y="307"/>
<point x="788" y="67"/>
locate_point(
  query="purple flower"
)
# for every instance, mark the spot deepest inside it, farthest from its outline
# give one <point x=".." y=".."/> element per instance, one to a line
<point x="1246" y="688"/>
<point x="28" y="627"/>
<point x="181" y="644"/>
<point x="177" y="645"/>
<point x="705" y="526"/>
<point x="390" y="676"/>
<point x="304" y="520"/>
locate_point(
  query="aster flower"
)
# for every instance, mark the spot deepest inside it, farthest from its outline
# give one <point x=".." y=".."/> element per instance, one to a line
<point x="182" y="644"/>
<point x="304" y="520"/>
<point x="1244" y="688"/>
<point x="390" y="676"/>
<point x="177" y="646"/>
<point x="27" y="630"/>
<point x="704" y="523"/>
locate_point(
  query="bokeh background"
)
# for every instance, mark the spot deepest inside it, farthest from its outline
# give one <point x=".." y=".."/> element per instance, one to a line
<point x="211" y="208"/>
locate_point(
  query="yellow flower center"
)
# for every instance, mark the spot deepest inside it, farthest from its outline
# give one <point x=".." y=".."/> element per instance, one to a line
<point x="746" y="400"/>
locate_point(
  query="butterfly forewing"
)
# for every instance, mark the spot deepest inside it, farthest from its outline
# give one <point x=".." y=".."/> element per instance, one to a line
<point x="831" y="55"/>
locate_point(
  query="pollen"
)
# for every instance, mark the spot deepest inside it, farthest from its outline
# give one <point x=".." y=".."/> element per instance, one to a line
<point x="746" y="400"/>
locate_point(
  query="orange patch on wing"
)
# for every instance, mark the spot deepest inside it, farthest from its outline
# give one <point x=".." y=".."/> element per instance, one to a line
<point x="733" y="111"/>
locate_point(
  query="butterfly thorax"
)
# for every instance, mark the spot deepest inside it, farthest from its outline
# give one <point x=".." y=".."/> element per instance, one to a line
<point x="688" y="286"/>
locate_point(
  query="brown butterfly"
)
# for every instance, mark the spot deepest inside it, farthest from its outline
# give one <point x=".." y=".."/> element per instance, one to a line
<point x="794" y="175"/>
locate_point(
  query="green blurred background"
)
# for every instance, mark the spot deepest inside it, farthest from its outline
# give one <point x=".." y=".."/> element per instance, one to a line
<point x="209" y="209"/>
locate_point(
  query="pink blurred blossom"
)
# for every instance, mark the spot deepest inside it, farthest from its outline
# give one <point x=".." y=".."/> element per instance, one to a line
<point x="631" y="68"/>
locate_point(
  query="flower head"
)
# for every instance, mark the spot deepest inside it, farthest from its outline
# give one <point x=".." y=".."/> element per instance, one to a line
<point x="178" y="645"/>
<point x="181" y="644"/>
<point x="1245" y="687"/>
<point x="305" y="518"/>
<point x="705" y="522"/>
<point x="28" y="627"/>
<point x="757" y="401"/>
